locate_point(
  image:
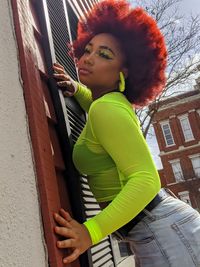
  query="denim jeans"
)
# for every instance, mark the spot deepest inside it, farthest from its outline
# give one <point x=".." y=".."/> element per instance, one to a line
<point x="169" y="236"/>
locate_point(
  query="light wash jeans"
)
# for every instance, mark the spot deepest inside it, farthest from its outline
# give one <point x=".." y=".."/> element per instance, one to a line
<point x="169" y="236"/>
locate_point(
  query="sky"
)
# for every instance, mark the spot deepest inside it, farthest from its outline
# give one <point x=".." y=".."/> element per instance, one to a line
<point x="186" y="8"/>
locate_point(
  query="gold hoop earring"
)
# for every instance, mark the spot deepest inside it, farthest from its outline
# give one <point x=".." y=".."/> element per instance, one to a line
<point x="122" y="82"/>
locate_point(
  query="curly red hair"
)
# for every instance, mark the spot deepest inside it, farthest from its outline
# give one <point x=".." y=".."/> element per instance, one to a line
<point x="140" y="39"/>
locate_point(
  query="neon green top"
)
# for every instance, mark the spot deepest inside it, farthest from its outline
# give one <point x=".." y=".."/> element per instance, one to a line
<point x="113" y="153"/>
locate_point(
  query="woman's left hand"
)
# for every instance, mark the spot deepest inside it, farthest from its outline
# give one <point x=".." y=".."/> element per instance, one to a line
<point x="76" y="234"/>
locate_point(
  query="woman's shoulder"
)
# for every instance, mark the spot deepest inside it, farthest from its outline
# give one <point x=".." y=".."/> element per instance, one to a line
<point x="112" y="99"/>
<point x="112" y="104"/>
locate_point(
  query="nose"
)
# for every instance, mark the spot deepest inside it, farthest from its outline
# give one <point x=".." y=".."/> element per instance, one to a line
<point x="89" y="59"/>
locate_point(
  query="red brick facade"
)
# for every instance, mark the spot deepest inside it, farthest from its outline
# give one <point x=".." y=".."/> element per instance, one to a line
<point x="176" y="156"/>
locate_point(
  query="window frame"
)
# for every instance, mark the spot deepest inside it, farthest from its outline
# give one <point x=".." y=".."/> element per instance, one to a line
<point x="185" y="195"/>
<point x="181" y="118"/>
<point x="162" y="125"/>
<point x="191" y="157"/>
<point x="177" y="161"/>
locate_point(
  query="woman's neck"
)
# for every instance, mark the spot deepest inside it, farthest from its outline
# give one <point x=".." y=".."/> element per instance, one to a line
<point x="104" y="93"/>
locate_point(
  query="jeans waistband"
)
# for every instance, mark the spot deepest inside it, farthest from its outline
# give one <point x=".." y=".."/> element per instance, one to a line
<point x="162" y="194"/>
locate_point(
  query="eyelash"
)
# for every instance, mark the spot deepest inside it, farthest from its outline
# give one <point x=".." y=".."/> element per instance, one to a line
<point x="100" y="53"/>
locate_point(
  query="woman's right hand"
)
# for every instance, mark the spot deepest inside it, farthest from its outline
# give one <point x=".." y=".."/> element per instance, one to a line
<point x="64" y="81"/>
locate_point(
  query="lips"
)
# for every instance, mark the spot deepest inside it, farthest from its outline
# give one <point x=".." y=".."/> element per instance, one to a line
<point x="84" y="71"/>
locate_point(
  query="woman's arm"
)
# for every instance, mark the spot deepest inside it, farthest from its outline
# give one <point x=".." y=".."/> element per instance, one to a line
<point x="84" y="96"/>
<point x="117" y="130"/>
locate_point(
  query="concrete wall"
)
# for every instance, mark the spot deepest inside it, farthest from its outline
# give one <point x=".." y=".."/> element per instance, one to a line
<point x="21" y="235"/>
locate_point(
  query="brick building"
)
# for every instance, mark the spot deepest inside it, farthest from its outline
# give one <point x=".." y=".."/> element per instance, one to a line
<point x="177" y="129"/>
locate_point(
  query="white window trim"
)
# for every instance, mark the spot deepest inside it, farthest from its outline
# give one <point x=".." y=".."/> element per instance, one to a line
<point x="186" y="194"/>
<point x="175" y="161"/>
<point x="183" y="193"/>
<point x="180" y="148"/>
<point x="172" y="116"/>
<point x="182" y="117"/>
<point x="163" y="123"/>
<point x="191" y="110"/>
<point x="192" y="157"/>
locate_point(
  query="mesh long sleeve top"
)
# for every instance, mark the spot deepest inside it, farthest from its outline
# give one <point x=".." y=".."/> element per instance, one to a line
<point x="113" y="153"/>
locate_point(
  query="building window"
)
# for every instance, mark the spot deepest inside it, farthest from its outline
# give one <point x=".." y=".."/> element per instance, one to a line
<point x="186" y="128"/>
<point x="176" y="167"/>
<point x="195" y="159"/>
<point x="167" y="133"/>
<point x="184" y="196"/>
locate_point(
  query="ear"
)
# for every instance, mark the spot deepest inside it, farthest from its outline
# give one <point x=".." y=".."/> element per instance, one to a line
<point x="125" y="72"/>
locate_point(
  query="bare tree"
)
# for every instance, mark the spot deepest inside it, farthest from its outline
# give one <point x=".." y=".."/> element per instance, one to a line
<point x="182" y="36"/>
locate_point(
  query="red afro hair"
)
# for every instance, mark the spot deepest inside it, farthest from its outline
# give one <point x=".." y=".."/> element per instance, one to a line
<point x="141" y="41"/>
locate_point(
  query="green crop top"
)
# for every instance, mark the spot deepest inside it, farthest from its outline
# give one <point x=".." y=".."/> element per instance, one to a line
<point x="114" y="155"/>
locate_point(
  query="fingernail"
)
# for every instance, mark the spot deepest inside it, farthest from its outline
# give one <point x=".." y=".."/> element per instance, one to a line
<point x="65" y="261"/>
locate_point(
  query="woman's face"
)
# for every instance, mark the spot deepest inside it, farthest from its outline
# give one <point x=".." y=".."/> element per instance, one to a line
<point x="101" y="63"/>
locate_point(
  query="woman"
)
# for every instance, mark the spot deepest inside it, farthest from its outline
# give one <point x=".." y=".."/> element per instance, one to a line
<point x="122" y="59"/>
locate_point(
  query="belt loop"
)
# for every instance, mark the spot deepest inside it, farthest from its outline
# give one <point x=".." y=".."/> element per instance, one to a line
<point x="149" y="215"/>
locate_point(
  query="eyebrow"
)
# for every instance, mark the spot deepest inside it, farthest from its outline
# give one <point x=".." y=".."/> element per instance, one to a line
<point x="104" y="47"/>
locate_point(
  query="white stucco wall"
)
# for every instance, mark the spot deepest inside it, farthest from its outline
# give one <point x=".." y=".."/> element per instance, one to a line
<point x="21" y="235"/>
